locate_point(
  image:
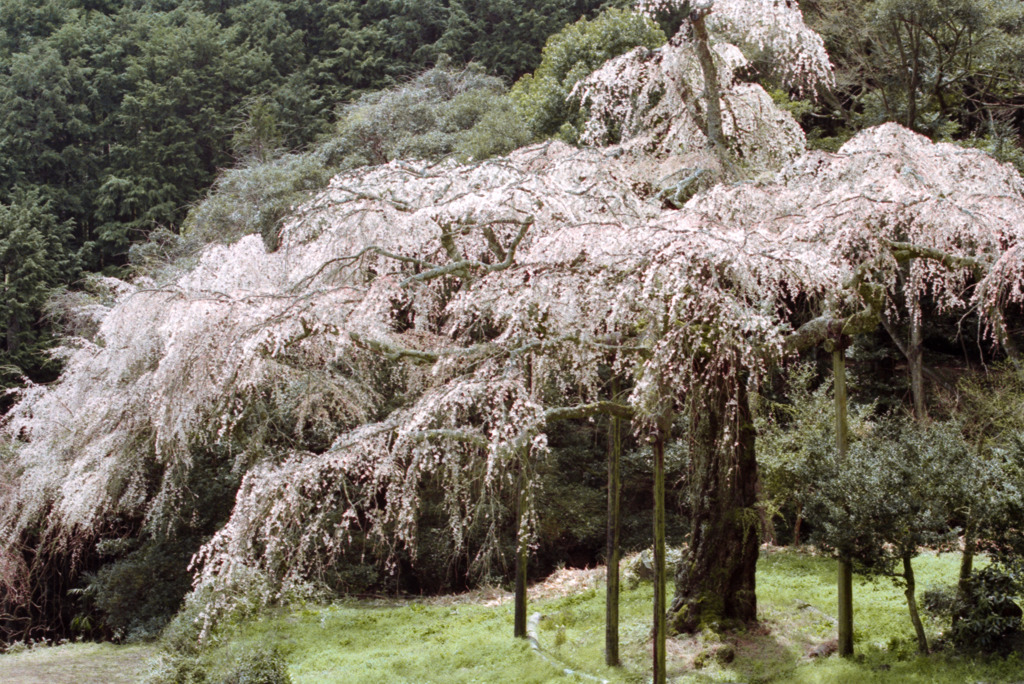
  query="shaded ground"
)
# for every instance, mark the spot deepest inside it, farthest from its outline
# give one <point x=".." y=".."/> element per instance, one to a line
<point x="75" y="664"/>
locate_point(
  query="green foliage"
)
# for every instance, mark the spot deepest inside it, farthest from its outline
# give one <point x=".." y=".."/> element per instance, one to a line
<point x="34" y="259"/>
<point x="795" y="435"/>
<point x="258" y="666"/>
<point x="946" y="69"/>
<point x="499" y="130"/>
<point x="135" y="596"/>
<point x="438" y="114"/>
<point x="893" y="494"/>
<point x="569" y="56"/>
<point x="250" y="198"/>
<point x="506" y="37"/>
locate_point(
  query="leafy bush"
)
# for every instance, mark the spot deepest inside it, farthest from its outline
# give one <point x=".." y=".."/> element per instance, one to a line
<point x="894" y="493"/>
<point x="569" y="56"/>
<point x="175" y="668"/>
<point x="441" y="113"/>
<point x="795" y="435"/>
<point x="986" y="616"/>
<point x="135" y="596"/>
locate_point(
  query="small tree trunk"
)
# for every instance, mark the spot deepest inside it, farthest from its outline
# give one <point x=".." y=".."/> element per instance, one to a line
<point x="970" y="548"/>
<point x="796" y="524"/>
<point x="712" y="88"/>
<point x="845" y="574"/>
<point x="1005" y="339"/>
<point x="662" y="432"/>
<point x="715" y="580"/>
<point x="967" y="560"/>
<point x="611" y="622"/>
<point x="916" y="360"/>
<point x="915" y="617"/>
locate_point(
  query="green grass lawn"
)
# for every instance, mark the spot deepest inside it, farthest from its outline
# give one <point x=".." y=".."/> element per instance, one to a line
<point x="75" y="664"/>
<point x="431" y="641"/>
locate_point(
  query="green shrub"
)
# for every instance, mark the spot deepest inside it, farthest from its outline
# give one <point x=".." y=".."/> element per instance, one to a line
<point x="499" y="130"/>
<point x="253" y="198"/>
<point x="986" y="616"/>
<point x="258" y="665"/>
<point x="175" y="668"/>
<point x="133" y="597"/>
<point x="569" y="56"/>
<point x="441" y="113"/>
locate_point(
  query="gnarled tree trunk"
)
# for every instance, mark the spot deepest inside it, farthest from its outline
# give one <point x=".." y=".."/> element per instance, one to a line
<point x="715" y="578"/>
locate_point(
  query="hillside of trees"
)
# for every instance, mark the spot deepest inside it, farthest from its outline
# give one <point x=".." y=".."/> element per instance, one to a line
<point x="118" y="115"/>
<point x="305" y="299"/>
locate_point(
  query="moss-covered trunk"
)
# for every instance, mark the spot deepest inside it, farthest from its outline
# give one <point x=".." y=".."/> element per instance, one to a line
<point x="715" y="578"/>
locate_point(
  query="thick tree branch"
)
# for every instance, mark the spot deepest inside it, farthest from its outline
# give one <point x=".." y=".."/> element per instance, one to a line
<point x="466" y="436"/>
<point x="606" y="408"/>
<point x="464" y="266"/>
<point x="905" y="251"/>
<point x="393" y="353"/>
<point x="817" y="330"/>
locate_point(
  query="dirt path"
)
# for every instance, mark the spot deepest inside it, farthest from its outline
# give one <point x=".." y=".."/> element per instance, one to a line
<point x="75" y="664"/>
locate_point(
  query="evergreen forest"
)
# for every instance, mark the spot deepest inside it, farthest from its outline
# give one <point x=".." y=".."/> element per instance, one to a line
<point x="577" y="335"/>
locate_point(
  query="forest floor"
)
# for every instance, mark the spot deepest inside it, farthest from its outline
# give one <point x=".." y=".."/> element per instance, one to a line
<point x="467" y="637"/>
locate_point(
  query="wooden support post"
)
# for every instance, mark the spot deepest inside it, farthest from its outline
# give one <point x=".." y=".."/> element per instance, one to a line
<point x="522" y="555"/>
<point x="845" y="578"/>
<point x="611" y="622"/>
<point x="661" y="435"/>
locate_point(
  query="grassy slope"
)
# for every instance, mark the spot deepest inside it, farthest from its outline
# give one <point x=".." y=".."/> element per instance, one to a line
<point x="75" y="664"/>
<point x="469" y="641"/>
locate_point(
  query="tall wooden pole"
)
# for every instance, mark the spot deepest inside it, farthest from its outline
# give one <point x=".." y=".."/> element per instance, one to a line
<point x="522" y="557"/>
<point x="611" y="622"/>
<point x="845" y="569"/>
<point x="660" y="436"/>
